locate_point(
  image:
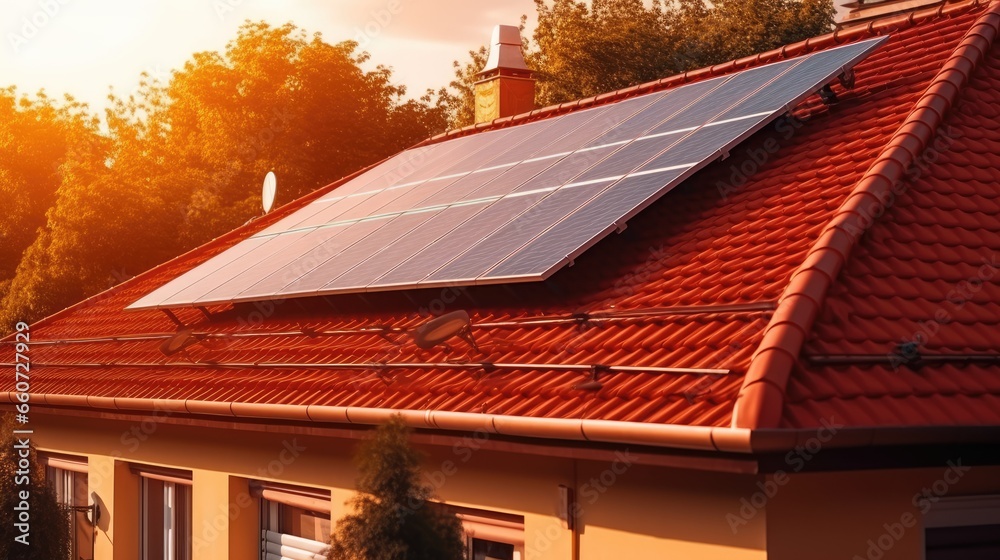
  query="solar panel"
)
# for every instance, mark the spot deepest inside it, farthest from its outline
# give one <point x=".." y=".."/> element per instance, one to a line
<point x="507" y="205"/>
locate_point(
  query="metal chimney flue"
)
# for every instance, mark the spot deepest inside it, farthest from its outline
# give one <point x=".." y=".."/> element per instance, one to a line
<point x="505" y="86"/>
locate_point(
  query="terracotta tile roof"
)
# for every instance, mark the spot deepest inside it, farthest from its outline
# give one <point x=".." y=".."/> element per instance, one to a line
<point x="926" y="273"/>
<point x="694" y="282"/>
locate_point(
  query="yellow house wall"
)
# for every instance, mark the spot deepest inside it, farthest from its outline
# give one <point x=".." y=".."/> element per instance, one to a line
<point x="647" y="512"/>
<point x="863" y="514"/>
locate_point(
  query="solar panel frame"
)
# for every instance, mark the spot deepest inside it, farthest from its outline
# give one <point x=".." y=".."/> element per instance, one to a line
<point x="450" y="163"/>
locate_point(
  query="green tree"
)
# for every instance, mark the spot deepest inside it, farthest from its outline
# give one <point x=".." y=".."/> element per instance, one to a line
<point x="280" y="100"/>
<point x="391" y="519"/>
<point x="580" y="49"/>
<point x="36" y="135"/>
<point x="49" y="525"/>
<point x="181" y="161"/>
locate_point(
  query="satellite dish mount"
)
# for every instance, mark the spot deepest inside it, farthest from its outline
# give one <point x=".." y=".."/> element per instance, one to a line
<point x="440" y="329"/>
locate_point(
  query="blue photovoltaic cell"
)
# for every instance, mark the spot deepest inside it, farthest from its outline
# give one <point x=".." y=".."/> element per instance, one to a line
<point x="732" y="91"/>
<point x="522" y="174"/>
<point x="667" y="105"/>
<point x="511" y="204"/>
<point x="807" y="76"/>
<point x="700" y="144"/>
<point x="453" y="243"/>
<point x="395" y="253"/>
<point x="307" y="260"/>
<point x="566" y="169"/>
<point x="463" y="187"/>
<point x="275" y="256"/>
<point x="496" y="245"/>
<point x="170" y="289"/>
<point x="401" y="167"/>
<point x="354" y="255"/>
<point x="629" y="157"/>
<point x="602" y="119"/>
<point x="560" y="242"/>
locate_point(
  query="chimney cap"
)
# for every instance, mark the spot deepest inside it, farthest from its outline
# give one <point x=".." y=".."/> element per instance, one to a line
<point x="506" y="35"/>
<point x="505" y="50"/>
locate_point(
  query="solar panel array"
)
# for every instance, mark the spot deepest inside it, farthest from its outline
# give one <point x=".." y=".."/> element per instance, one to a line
<point x="513" y="204"/>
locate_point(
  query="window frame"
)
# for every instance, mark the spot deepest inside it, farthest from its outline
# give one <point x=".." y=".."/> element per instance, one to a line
<point x="274" y="498"/>
<point x="170" y="491"/>
<point x="490" y="526"/>
<point x="64" y="474"/>
<point x="960" y="511"/>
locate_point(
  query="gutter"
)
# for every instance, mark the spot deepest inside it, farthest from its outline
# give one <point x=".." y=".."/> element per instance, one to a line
<point x="681" y="437"/>
<point x="761" y="400"/>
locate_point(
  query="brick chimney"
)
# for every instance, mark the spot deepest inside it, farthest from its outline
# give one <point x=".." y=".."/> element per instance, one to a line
<point x="505" y="86"/>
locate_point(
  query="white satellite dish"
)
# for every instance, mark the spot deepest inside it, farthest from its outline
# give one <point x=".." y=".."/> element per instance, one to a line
<point x="269" y="190"/>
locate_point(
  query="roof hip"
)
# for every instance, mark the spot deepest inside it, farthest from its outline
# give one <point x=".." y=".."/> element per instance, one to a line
<point x="760" y="402"/>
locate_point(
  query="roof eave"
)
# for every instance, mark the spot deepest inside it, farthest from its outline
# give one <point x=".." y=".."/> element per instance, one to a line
<point x="579" y="430"/>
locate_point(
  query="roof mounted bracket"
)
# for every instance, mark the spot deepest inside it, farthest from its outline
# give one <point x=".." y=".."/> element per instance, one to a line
<point x="173" y="318"/>
<point x="908" y="354"/>
<point x="847" y="78"/>
<point x="827" y="95"/>
<point x="593" y="384"/>
<point x="582" y="319"/>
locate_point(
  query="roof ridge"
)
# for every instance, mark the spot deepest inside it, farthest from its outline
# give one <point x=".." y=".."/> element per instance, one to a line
<point x="761" y="399"/>
<point x="839" y="36"/>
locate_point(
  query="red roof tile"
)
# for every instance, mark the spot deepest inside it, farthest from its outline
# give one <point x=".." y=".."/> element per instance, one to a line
<point x="699" y="280"/>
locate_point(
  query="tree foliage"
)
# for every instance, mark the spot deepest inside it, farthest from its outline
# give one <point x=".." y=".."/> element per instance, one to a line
<point x="36" y="136"/>
<point x="391" y="519"/>
<point x="180" y="162"/>
<point x="49" y="525"/>
<point x="580" y="49"/>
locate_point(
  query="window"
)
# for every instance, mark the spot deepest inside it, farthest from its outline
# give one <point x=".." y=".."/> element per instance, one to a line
<point x="965" y="528"/>
<point x="490" y="535"/>
<point x="165" y="513"/>
<point x="294" y="520"/>
<point x="67" y="476"/>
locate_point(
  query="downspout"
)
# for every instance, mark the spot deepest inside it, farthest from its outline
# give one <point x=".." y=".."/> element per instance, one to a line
<point x="760" y="402"/>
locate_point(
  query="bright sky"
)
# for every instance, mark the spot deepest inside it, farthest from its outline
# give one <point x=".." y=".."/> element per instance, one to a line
<point x="83" y="46"/>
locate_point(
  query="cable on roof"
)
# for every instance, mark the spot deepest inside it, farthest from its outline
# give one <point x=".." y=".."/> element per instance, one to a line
<point x="582" y="318"/>
<point x="896" y="359"/>
<point x="487" y="366"/>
